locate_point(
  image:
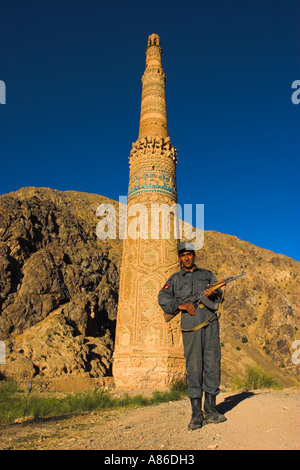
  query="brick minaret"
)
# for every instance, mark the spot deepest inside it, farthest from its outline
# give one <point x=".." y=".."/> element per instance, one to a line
<point x="148" y="351"/>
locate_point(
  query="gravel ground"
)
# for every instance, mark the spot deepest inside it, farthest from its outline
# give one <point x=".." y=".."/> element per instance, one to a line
<point x="258" y="420"/>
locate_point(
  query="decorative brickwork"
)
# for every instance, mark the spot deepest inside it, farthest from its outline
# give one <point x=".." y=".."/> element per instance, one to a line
<point x="148" y="351"/>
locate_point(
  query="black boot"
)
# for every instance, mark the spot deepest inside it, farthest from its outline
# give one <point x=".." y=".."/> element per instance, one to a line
<point x="197" y="414"/>
<point x="211" y="414"/>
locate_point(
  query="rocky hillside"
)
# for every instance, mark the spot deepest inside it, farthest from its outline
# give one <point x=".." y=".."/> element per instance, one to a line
<point x="58" y="285"/>
<point x="59" y="292"/>
<point x="260" y="314"/>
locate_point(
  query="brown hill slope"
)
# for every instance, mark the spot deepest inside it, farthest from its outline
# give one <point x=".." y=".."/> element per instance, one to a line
<point x="59" y="289"/>
<point x="59" y="285"/>
<point x="260" y="314"/>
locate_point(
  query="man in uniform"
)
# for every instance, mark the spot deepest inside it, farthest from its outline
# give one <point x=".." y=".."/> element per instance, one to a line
<point x="201" y="346"/>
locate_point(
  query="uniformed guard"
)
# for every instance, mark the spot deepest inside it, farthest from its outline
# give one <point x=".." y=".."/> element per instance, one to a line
<point x="200" y="330"/>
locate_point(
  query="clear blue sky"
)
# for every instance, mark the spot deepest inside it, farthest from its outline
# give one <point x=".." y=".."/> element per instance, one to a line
<point x="73" y="69"/>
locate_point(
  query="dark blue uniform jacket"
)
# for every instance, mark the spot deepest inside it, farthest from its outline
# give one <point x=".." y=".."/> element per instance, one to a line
<point x="182" y="284"/>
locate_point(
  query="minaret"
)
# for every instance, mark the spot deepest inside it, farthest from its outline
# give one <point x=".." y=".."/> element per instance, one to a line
<point x="148" y="351"/>
<point x="153" y="120"/>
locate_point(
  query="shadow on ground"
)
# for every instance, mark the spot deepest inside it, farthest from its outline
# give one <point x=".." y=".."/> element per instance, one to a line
<point x="233" y="400"/>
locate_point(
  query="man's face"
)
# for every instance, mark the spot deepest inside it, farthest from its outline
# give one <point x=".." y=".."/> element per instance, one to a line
<point x="187" y="259"/>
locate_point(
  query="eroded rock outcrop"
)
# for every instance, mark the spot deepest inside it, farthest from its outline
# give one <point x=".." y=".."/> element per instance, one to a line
<point x="57" y="282"/>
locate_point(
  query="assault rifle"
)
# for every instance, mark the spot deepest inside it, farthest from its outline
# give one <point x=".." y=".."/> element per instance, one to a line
<point x="200" y="297"/>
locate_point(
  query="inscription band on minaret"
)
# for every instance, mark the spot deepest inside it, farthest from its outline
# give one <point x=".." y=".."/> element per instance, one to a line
<point x="148" y="351"/>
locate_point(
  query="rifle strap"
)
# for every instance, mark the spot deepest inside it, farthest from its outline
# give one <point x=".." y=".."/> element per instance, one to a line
<point x="201" y="324"/>
<point x="198" y="327"/>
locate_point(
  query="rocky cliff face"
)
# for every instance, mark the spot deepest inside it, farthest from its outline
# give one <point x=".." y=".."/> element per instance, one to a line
<point x="59" y="285"/>
<point x="59" y="292"/>
<point x="260" y="315"/>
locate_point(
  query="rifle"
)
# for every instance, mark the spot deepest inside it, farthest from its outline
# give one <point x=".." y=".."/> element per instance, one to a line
<point x="200" y="297"/>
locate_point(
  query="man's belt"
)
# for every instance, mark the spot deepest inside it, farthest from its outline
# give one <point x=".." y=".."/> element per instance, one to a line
<point x="201" y="324"/>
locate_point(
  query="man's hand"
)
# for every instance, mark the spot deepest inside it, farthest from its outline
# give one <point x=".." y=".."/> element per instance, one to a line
<point x="188" y="307"/>
<point x="209" y="293"/>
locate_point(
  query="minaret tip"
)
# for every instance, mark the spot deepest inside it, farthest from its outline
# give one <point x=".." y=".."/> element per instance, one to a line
<point x="153" y="40"/>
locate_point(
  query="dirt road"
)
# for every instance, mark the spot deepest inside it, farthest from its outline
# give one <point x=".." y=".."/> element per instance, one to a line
<point x="255" y="420"/>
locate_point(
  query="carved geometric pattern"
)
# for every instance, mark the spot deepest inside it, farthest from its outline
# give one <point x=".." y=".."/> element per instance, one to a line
<point x="148" y="351"/>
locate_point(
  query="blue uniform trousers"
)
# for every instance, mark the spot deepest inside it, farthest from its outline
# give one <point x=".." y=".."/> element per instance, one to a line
<point x="203" y="357"/>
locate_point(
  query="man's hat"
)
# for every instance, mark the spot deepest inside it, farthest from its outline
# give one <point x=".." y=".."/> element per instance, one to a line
<point x="185" y="246"/>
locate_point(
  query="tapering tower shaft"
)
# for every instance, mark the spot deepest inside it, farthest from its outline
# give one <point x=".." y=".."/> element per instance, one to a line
<point x="153" y="121"/>
<point x="148" y="351"/>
